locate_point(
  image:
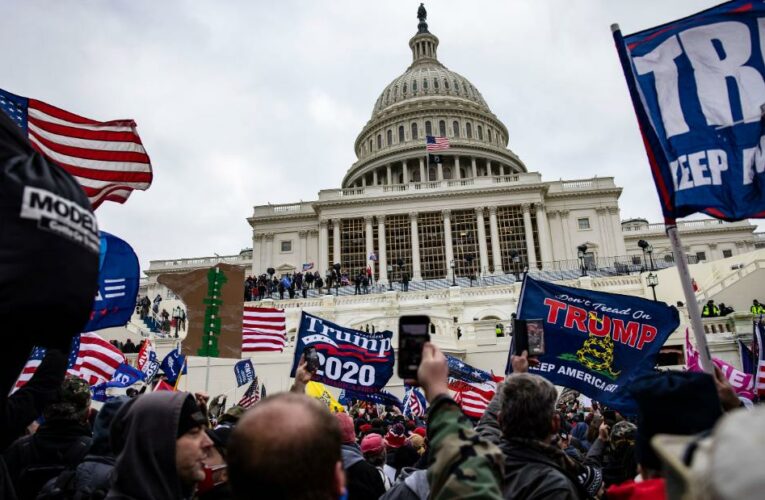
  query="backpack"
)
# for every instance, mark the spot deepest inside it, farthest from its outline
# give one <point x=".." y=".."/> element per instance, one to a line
<point x="65" y="487"/>
<point x="33" y="476"/>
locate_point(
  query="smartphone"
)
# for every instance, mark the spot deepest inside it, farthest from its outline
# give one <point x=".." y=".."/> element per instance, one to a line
<point x="609" y="416"/>
<point x="528" y="335"/>
<point x="311" y="358"/>
<point x="413" y="333"/>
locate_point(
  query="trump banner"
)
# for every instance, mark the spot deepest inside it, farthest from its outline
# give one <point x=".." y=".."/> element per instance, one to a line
<point x="244" y="372"/>
<point x="698" y="89"/>
<point x="118" y="275"/>
<point x="596" y="342"/>
<point x="349" y="359"/>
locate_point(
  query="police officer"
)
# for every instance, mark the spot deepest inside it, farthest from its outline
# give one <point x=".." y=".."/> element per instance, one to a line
<point x="710" y="310"/>
<point x="757" y="308"/>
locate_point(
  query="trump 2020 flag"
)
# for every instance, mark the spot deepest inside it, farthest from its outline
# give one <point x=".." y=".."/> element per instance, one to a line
<point x="244" y="371"/>
<point x="349" y="359"/>
<point x="174" y="365"/>
<point x="123" y="377"/>
<point x="698" y="89"/>
<point x="118" y="277"/>
<point x="596" y="342"/>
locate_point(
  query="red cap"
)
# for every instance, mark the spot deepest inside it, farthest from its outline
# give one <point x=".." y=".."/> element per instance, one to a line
<point x="347" y="432"/>
<point x="421" y="431"/>
<point x="372" y="443"/>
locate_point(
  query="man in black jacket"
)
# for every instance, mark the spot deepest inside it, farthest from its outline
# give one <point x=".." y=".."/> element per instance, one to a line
<point x="62" y="441"/>
<point x="522" y="420"/>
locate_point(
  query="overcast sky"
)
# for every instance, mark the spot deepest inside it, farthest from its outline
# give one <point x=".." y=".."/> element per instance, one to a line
<point x="241" y="103"/>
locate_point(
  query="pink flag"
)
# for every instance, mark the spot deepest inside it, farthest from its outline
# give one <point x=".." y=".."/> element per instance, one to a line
<point x="740" y="381"/>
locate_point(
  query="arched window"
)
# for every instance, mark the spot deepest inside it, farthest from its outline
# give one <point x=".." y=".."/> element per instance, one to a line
<point x="446" y="84"/>
<point x="425" y="84"/>
<point x="370" y="145"/>
<point x="395" y="91"/>
<point x="415" y="136"/>
<point x="480" y="133"/>
<point x="456" y="85"/>
<point x="414" y="87"/>
<point x="432" y="173"/>
<point x="428" y="128"/>
<point x="379" y="141"/>
<point x="488" y="131"/>
<point x="389" y="136"/>
<point x="435" y="83"/>
<point x="401" y="134"/>
<point x="387" y="97"/>
<point x="456" y="128"/>
<point x="469" y="130"/>
<point x="442" y="128"/>
<point x="404" y="89"/>
<point x="447" y="173"/>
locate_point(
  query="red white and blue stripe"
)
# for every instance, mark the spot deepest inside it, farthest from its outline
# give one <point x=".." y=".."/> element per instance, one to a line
<point x="107" y="158"/>
<point x="436" y="143"/>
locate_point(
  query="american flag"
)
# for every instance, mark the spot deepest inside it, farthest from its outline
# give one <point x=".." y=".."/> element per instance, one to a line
<point x="35" y="358"/>
<point x="93" y="358"/>
<point x="414" y="403"/>
<point x="251" y="395"/>
<point x="759" y="378"/>
<point x="474" y="397"/>
<point x="436" y="143"/>
<point x="263" y="329"/>
<point x="106" y="158"/>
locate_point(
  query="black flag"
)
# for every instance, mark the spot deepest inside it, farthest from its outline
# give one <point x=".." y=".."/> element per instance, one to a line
<point x="434" y="159"/>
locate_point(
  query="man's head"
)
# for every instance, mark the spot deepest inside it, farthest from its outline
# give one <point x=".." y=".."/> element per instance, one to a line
<point x="287" y="446"/>
<point x="192" y="445"/>
<point x="755" y="302"/>
<point x="73" y="402"/>
<point x="347" y="431"/>
<point x="528" y="408"/>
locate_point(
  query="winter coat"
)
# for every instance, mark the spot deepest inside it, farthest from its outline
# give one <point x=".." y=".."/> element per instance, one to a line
<point x="463" y="465"/>
<point x="143" y="434"/>
<point x="412" y="484"/>
<point x="362" y="478"/>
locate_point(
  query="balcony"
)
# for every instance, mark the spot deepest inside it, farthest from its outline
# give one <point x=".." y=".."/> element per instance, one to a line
<point x="683" y="226"/>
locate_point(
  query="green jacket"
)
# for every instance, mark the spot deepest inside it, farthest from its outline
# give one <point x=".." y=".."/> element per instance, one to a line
<point x="462" y="464"/>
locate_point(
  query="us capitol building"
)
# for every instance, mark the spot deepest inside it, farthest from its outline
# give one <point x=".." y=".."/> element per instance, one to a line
<point x="477" y="219"/>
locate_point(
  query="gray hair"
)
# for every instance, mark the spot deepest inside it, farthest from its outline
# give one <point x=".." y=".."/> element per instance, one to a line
<point x="528" y="406"/>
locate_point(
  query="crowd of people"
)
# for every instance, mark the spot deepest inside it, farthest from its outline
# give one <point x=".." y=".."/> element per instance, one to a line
<point x="531" y="442"/>
<point x="269" y="285"/>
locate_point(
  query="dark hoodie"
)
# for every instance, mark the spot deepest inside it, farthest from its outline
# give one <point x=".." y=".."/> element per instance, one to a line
<point x="143" y="435"/>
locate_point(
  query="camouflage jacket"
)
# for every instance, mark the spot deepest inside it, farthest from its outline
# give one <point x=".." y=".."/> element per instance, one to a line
<point x="462" y="464"/>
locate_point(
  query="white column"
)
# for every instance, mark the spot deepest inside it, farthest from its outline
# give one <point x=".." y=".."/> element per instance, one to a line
<point x="529" y="233"/>
<point x="388" y="174"/>
<point x="482" y="249"/>
<point x="448" y="249"/>
<point x="369" y="238"/>
<point x="423" y="178"/>
<point x="488" y="168"/>
<point x="323" y="247"/>
<point x="257" y="255"/>
<point x="618" y="235"/>
<point x="474" y="167"/>
<point x="405" y="171"/>
<point x="604" y="230"/>
<point x="566" y="233"/>
<point x="456" y="168"/>
<point x="545" y="243"/>
<point x="416" y="273"/>
<point x="381" y="252"/>
<point x="364" y="181"/>
<point x="269" y="250"/>
<point x="336" y="240"/>
<point x="440" y="172"/>
<point x="303" y="235"/>
<point x="496" y="249"/>
<point x="374" y="177"/>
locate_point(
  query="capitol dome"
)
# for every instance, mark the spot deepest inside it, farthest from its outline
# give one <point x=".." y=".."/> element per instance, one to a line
<point x="429" y="99"/>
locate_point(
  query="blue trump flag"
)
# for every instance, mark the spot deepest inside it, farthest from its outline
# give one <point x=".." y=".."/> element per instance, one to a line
<point x="349" y="359"/>
<point x="596" y="342"/>
<point x="118" y="275"/>
<point x="124" y="376"/>
<point x="698" y="89"/>
<point x="172" y="365"/>
<point x="244" y="371"/>
<point x="460" y="370"/>
<point x="385" y="398"/>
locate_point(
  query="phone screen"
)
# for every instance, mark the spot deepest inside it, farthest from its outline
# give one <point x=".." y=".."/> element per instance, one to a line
<point x="536" y="337"/>
<point x="311" y="358"/>
<point x="413" y="333"/>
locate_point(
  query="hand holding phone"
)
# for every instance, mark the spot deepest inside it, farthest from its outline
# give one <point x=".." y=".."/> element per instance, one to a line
<point x="311" y="359"/>
<point x="413" y="333"/>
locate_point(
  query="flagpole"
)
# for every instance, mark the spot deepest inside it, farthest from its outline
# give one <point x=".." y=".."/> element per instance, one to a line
<point x="180" y="374"/>
<point x="694" y="313"/>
